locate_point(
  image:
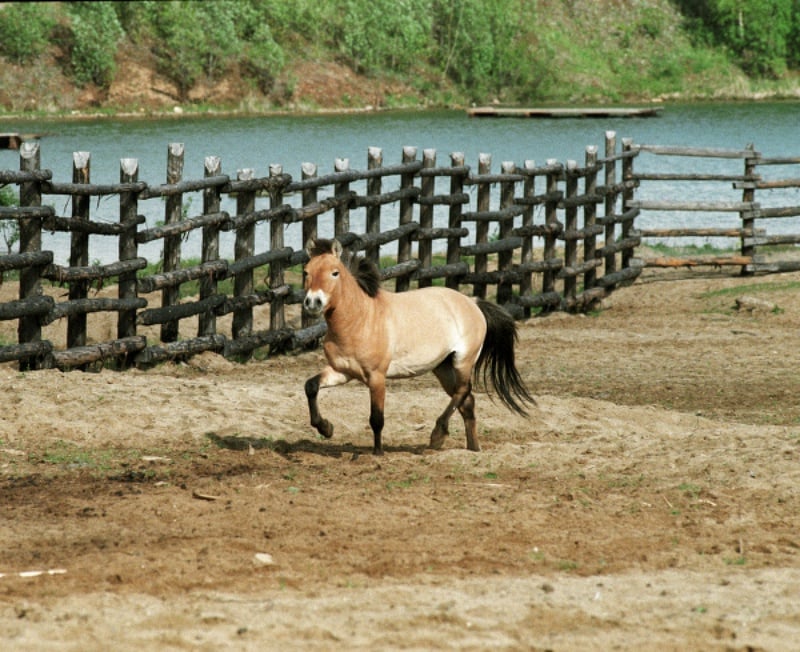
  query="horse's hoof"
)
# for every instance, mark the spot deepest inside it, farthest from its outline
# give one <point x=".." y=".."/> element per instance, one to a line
<point x="377" y="451"/>
<point x="437" y="440"/>
<point x="325" y="428"/>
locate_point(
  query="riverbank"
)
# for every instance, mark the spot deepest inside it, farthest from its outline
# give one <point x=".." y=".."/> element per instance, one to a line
<point x="307" y="87"/>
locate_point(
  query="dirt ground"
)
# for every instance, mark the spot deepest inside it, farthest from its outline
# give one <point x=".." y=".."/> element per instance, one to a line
<point x="651" y="501"/>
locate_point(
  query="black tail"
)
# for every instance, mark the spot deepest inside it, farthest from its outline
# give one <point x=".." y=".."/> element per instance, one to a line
<point x="496" y="361"/>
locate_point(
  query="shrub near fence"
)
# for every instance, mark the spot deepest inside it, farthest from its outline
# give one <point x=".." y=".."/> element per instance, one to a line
<point x="559" y="237"/>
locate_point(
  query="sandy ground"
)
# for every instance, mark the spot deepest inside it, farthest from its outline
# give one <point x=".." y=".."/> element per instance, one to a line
<point x="651" y="500"/>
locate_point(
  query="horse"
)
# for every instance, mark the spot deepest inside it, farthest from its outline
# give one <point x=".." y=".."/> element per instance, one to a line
<point x="373" y="334"/>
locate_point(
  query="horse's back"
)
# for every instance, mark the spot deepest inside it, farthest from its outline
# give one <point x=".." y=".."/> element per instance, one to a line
<point x="430" y="324"/>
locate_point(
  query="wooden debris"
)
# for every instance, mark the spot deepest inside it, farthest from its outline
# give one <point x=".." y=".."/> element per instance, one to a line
<point x="754" y="304"/>
<point x="201" y="496"/>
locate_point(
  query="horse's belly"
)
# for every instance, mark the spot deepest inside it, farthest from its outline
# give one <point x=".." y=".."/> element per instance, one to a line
<point x="413" y="365"/>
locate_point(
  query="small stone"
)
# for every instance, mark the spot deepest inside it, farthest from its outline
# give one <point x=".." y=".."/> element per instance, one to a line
<point x="263" y="559"/>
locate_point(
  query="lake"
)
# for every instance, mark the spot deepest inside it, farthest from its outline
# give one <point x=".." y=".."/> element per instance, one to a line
<point x="258" y="142"/>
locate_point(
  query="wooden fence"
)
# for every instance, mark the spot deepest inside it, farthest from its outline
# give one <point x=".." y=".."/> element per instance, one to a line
<point x="558" y="236"/>
<point x="732" y="201"/>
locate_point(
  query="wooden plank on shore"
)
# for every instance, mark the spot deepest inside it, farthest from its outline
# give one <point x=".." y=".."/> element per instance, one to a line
<point x="564" y="112"/>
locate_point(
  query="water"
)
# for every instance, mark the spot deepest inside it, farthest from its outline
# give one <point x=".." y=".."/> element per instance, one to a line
<point x="258" y="142"/>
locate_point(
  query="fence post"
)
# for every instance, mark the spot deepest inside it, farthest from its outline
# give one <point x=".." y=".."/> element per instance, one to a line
<point x="310" y="195"/>
<point x="590" y="217"/>
<point x="529" y="192"/>
<point x="373" y="226"/>
<point x="610" y="203"/>
<point x="243" y="247"/>
<point x="277" y="319"/>
<point x="627" y="195"/>
<point x="428" y="189"/>
<point x="170" y="296"/>
<point x="310" y="224"/>
<point x="570" y="226"/>
<point x="454" y="218"/>
<point x="402" y="283"/>
<point x="29" y="328"/>
<point x="749" y="195"/>
<point x="505" y="258"/>
<point x="341" y="213"/>
<point x="128" y="248"/>
<point x="207" y="321"/>
<point x="481" y="225"/>
<point x="79" y="249"/>
<point x="551" y="221"/>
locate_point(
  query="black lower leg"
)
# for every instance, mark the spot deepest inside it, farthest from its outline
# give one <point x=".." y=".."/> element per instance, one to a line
<point x="376" y="423"/>
<point x="323" y="426"/>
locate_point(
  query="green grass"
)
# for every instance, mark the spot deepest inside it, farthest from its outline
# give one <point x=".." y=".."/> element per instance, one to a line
<point x="100" y="461"/>
<point x="753" y="288"/>
<point x="692" y="250"/>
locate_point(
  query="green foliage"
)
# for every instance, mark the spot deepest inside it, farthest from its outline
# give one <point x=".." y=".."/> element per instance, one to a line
<point x="449" y="51"/>
<point x="385" y="34"/>
<point x="9" y="229"/>
<point x="189" y="39"/>
<point x="25" y="30"/>
<point x="488" y="47"/>
<point x="264" y="58"/>
<point x="96" y="33"/>
<point x="763" y="35"/>
<point x="196" y="39"/>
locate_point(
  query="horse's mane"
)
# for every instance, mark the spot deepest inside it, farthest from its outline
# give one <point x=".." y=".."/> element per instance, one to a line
<point x="367" y="275"/>
<point x="365" y="272"/>
<point x="320" y="247"/>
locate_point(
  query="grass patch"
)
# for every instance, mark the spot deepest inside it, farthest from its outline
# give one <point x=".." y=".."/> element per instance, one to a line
<point x="98" y="461"/>
<point x="707" y="249"/>
<point x="753" y="288"/>
<point x="691" y="490"/>
<point x="407" y="483"/>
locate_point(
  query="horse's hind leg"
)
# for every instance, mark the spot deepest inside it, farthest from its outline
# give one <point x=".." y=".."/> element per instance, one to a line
<point x="459" y="388"/>
<point x="467" y="409"/>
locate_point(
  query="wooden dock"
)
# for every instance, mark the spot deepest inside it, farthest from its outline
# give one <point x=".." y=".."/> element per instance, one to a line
<point x="567" y="112"/>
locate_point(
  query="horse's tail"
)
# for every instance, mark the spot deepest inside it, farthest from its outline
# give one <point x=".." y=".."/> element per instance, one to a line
<point x="496" y="361"/>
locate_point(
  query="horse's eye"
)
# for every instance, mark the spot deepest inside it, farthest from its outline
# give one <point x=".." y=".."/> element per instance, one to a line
<point x="335" y="273"/>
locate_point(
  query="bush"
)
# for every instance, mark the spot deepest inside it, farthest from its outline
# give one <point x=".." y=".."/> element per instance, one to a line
<point x="264" y="58"/>
<point x="763" y="35"/>
<point x="192" y="39"/>
<point x="25" y="30"/>
<point x="385" y="34"/>
<point x="96" y="33"/>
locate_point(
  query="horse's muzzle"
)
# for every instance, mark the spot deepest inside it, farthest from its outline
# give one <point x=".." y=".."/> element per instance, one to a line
<point x="313" y="305"/>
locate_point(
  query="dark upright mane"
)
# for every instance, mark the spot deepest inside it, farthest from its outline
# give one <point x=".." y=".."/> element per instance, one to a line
<point x="320" y="247"/>
<point x="367" y="275"/>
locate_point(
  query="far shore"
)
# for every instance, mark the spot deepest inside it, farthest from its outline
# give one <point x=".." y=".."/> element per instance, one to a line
<point x="188" y="111"/>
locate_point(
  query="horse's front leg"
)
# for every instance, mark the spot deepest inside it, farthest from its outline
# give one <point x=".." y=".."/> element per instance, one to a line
<point x="327" y="378"/>
<point x="377" y="398"/>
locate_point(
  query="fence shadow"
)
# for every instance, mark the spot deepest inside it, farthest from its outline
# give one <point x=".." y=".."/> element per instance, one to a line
<point x="321" y="448"/>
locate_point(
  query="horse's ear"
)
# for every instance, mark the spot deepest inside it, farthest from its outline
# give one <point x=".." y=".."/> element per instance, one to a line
<point x="311" y="245"/>
<point x="336" y="248"/>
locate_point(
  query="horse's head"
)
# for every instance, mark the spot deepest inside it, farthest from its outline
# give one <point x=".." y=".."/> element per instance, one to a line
<point x="322" y="275"/>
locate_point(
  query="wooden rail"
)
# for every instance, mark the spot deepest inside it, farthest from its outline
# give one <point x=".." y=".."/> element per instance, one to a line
<point x="748" y="233"/>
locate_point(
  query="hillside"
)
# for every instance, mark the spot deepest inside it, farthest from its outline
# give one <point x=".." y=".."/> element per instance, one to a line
<point x="573" y="52"/>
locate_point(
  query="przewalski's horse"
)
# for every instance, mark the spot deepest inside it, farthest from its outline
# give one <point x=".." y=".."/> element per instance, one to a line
<point x="374" y="335"/>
